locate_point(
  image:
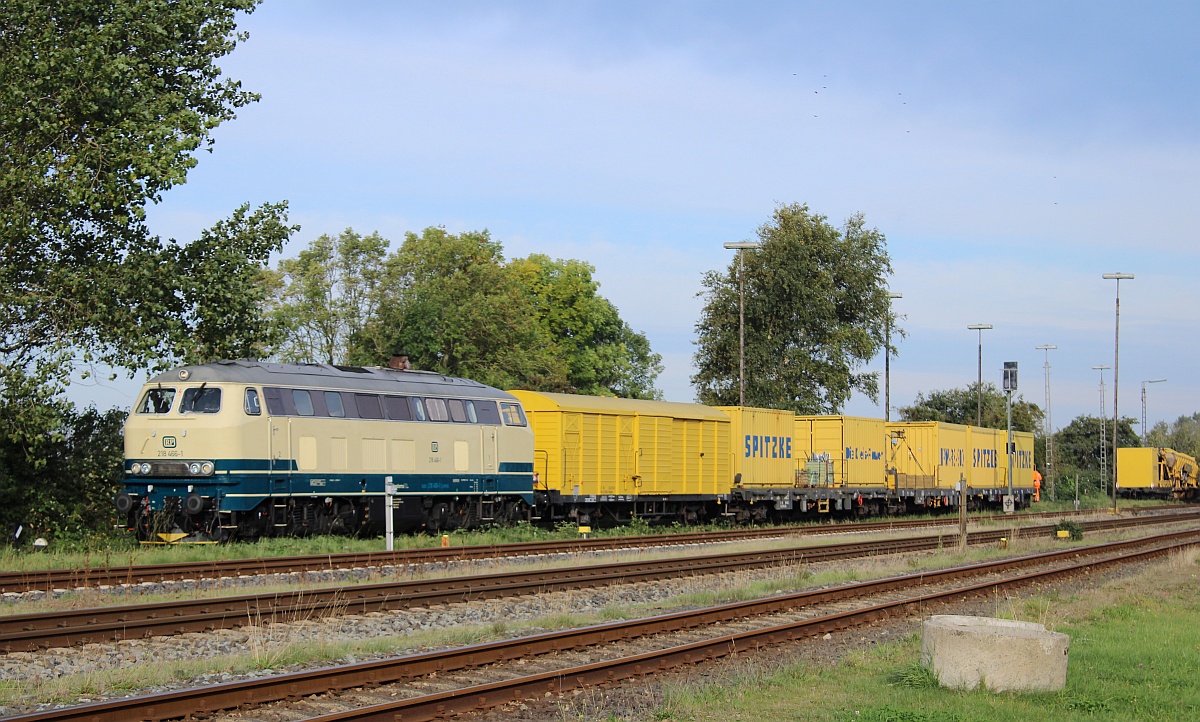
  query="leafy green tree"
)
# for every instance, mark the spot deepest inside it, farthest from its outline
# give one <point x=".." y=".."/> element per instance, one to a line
<point x="1081" y="445"/>
<point x="450" y="301"/>
<point x="1183" y="435"/>
<point x="59" y="467"/>
<point x="961" y="406"/>
<point x="327" y="295"/>
<point x="103" y="105"/>
<point x="604" y="356"/>
<point x="816" y="305"/>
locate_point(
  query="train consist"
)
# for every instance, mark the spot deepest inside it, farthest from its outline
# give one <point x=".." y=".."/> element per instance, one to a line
<point x="243" y="449"/>
<point x="1150" y="472"/>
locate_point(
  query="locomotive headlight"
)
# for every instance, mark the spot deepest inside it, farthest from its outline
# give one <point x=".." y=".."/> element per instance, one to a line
<point x="143" y="469"/>
<point x="206" y="468"/>
<point x="194" y="468"/>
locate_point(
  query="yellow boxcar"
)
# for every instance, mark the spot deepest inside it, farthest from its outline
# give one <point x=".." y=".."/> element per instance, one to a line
<point x="841" y="451"/>
<point x="590" y="446"/>
<point x="1153" y="471"/>
<point x="763" y="454"/>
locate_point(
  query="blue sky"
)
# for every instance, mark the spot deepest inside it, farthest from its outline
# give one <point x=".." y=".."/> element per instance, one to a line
<point x="1012" y="153"/>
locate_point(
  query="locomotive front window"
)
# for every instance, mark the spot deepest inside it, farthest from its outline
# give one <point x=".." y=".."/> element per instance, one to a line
<point x="437" y="410"/>
<point x="333" y="402"/>
<point x="304" y="404"/>
<point x="157" y="401"/>
<point x="418" y="409"/>
<point x="471" y="415"/>
<point x="512" y="413"/>
<point x="200" y="401"/>
<point x="251" y="404"/>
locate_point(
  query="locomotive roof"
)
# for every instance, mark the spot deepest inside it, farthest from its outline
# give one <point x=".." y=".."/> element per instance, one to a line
<point x="356" y="378"/>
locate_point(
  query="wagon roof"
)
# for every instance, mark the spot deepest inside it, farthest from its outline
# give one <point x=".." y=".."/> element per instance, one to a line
<point x="538" y="401"/>
<point x="355" y="378"/>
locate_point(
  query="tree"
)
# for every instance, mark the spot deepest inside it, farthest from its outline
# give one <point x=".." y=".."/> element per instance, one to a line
<point x="603" y="355"/>
<point x="327" y="295"/>
<point x="816" y="301"/>
<point x="103" y="105"/>
<point x="1080" y="445"/>
<point x="961" y="406"/>
<point x="451" y="302"/>
<point x="1183" y="435"/>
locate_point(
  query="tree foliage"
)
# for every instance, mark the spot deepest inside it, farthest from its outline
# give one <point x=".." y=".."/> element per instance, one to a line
<point x="1081" y="445"/>
<point x="457" y="306"/>
<point x="326" y="295"/>
<point x="59" y="467"/>
<point x="103" y="105"/>
<point x="1183" y="435"/>
<point x="961" y="406"/>
<point x="816" y="310"/>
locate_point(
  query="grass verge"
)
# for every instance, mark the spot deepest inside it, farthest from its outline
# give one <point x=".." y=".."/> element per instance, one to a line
<point x="1134" y="651"/>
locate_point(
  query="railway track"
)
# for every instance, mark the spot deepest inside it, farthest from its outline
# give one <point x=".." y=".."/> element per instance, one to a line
<point x="65" y="628"/>
<point x="471" y="684"/>
<point x="87" y="577"/>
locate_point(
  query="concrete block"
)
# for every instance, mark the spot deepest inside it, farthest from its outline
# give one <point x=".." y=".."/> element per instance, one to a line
<point x="965" y="652"/>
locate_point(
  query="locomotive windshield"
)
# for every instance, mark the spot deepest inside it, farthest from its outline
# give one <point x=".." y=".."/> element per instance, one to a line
<point x="200" y="401"/>
<point x="157" y="401"/>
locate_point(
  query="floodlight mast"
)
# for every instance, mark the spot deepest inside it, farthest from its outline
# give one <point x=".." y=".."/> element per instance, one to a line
<point x="741" y="247"/>
<point x="980" y="327"/>
<point x="1118" y="277"/>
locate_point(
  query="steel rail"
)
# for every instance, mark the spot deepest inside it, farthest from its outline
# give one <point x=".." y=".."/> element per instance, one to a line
<point x="27" y="632"/>
<point x="84" y="577"/>
<point x="207" y="700"/>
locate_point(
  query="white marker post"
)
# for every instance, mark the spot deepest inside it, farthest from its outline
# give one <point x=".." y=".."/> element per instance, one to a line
<point x="389" y="491"/>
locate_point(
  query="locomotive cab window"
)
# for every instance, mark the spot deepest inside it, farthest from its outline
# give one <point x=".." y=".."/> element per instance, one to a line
<point x="512" y="413"/>
<point x="157" y="401"/>
<point x="368" y="406"/>
<point x="251" y="403"/>
<point x="200" y="400"/>
<point x="488" y="413"/>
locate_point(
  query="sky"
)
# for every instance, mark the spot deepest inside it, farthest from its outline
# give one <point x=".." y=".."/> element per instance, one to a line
<point x="1011" y="153"/>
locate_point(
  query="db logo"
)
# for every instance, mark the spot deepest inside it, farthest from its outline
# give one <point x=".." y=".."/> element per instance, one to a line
<point x="168" y="442"/>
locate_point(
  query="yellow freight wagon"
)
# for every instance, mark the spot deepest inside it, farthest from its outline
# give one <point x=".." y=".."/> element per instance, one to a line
<point x="841" y="451"/>
<point x="1152" y="471"/>
<point x="987" y="466"/>
<point x="763" y="455"/>
<point x="927" y="454"/>
<point x="602" y="447"/>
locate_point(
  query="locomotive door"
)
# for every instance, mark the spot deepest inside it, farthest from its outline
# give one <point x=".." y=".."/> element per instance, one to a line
<point x="489" y="459"/>
<point x="280" y="449"/>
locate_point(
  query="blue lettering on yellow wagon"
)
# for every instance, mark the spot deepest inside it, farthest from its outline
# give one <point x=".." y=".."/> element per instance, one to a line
<point x="985" y="458"/>
<point x="768" y="447"/>
<point x="952" y="457"/>
<point x="853" y="454"/>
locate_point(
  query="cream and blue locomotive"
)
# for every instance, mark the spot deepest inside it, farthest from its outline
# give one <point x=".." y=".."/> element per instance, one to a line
<point x="248" y="449"/>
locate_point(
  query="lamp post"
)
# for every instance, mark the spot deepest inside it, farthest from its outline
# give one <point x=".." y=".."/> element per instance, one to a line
<point x="1145" y="435"/>
<point x="1103" y="443"/>
<point x="1118" y="277"/>
<point x="1048" y="425"/>
<point x="887" y="359"/>
<point x="741" y="247"/>
<point x="980" y="327"/>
